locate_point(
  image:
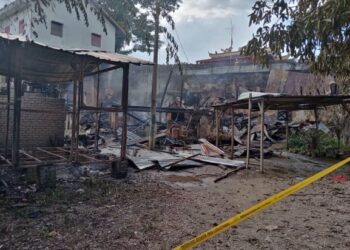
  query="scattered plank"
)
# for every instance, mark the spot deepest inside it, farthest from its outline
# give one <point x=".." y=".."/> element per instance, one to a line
<point x="228" y="174"/>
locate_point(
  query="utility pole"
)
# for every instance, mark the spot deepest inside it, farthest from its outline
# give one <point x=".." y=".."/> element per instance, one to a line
<point x="152" y="131"/>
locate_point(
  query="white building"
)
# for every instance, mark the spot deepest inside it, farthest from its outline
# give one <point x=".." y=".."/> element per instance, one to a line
<point x="62" y="28"/>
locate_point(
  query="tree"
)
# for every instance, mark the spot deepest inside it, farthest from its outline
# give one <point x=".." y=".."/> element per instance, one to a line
<point x="312" y="31"/>
<point x="160" y="9"/>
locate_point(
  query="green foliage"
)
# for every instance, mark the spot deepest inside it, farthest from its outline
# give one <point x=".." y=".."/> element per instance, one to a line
<point x="314" y="143"/>
<point x="313" y="31"/>
<point x="137" y="18"/>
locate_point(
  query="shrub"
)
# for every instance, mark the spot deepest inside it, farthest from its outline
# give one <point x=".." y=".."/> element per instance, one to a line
<point x="314" y="143"/>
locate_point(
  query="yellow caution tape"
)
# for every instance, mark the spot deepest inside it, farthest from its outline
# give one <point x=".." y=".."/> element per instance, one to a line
<point x="258" y="207"/>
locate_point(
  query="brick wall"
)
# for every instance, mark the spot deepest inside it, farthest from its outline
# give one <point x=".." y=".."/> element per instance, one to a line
<point x="42" y="121"/>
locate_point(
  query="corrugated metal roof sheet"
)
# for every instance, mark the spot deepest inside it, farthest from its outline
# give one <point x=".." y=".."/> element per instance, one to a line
<point x="46" y="64"/>
<point x="100" y="55"/>
<point x="112" y="57"/>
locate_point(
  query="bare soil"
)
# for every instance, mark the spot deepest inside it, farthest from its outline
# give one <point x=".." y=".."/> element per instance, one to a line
<point x="159" y="210"/>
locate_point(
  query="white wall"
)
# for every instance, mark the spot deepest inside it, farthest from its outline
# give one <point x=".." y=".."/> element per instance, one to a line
<point x="13" y="22"/>
<point x="76" y="35"/>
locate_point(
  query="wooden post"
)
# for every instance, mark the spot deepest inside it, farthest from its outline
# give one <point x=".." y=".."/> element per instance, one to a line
<point x="249" y="129"/>
<point x="16" y="121"/>
<point x="262" y="118"/>
<point x="74" y="121"/>
<point x="217" y="127"/>
<point x="97" y="115"/>
<point x="17" y="108"/>
<point x="316" y="118"/>
<point x="287" y="130"/>
<point x="8" y="81"/>
<point x="79" y="104"/>
<point x="125" y="93"/>
<point x="232" y="132"/>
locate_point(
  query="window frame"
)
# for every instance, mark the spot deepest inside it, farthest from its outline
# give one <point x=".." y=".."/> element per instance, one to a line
<point x="7" y="29"/>
<point x="96" y="43"/>
<point x="56" y="29"/>
<point x="21" y="27"/>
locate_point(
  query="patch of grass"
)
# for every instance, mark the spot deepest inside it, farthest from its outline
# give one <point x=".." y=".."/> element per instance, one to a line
<point x="314" y="143"/>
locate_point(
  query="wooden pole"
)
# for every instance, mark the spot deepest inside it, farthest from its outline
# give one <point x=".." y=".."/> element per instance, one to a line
<point x="97" y="115"/>
<point x="287" y="130"/>
<point x="153" y="128"/>
<point x="249" y="129"/>
<point x="217" y="127"/>
<point x="77" y="129"/>
<point x="8" y="81"/>
<point x="17" y="108"/>
<point x="16" y="120"/>
<point x="262" y="118"/>
<point x="125" y="94"/>
<point x="316" y="118"/>
<point x="232" y="132"/>
<point x="74" y="121"/>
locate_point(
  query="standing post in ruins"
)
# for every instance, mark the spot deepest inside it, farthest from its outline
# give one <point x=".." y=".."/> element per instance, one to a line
<point x="316" y="118"/>
<point x="17" y="108"/>
<point x="74" y="121"/>
<point x="97" y="115"/>
<point x="287" y="130"/>
<point x="125" y="93"/>
<point x="249" y="125"/>
<point x="262" y="119"/>
<point x="232" y="132"/>
<point x="217" y="127"/>
<point x="8" y="81"/>
<point x="79" y="101"/>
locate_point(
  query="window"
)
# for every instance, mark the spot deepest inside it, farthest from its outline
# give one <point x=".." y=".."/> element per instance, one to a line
<point x="56" y="29"/>
<point x="21" y="27"/>
<point x="96" y="40"/>
<point x="7" y="29"/>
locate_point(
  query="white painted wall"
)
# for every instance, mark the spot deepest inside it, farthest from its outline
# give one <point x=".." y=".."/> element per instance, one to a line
<point x="13" y="22"/>
<point x="76" y="35"/>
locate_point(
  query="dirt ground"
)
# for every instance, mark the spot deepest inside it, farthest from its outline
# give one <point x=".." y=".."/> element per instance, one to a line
<point x="159" y="210"/>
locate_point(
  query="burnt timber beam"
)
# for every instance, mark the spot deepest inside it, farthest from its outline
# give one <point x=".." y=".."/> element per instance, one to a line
<point x="125" y="97"/>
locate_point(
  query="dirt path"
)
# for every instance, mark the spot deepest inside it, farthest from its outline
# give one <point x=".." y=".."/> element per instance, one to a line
<point x="158" y="210"/>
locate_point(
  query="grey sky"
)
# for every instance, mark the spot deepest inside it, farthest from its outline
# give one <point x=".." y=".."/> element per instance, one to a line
<point x="204" y="26"/>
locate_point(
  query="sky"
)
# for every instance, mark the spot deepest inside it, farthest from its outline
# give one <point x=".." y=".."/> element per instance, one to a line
<point x="204" y="26"/>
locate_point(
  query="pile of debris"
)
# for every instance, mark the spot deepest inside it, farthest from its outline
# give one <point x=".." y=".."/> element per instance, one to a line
<point x="173" y="157"/>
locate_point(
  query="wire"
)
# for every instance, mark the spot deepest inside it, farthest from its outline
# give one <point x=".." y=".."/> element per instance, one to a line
<point x="182" y="47"/>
